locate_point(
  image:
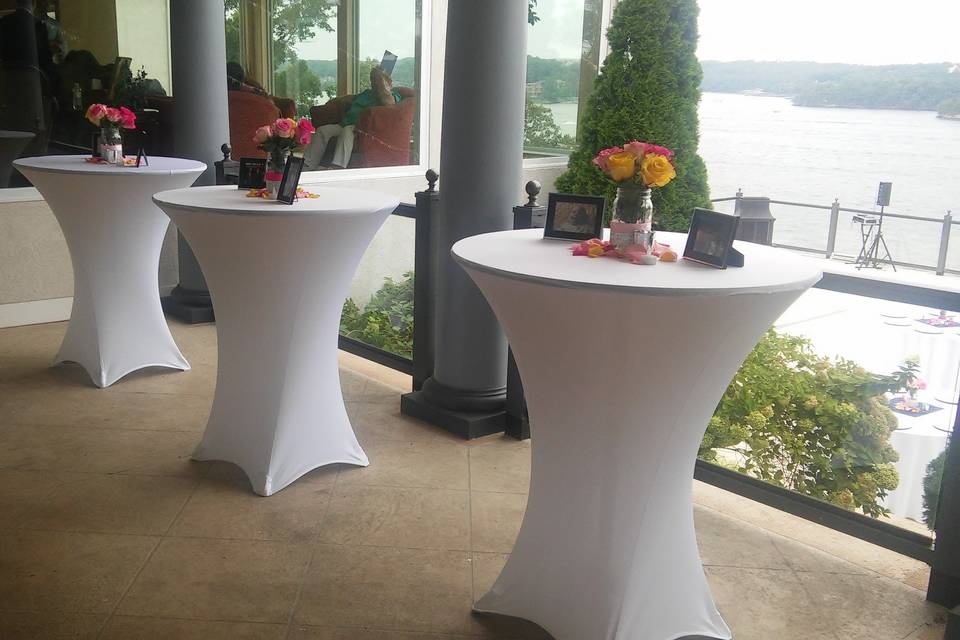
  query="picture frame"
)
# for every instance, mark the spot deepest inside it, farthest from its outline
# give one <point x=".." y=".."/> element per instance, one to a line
<point x="252" y="173"/>
<point x="95" y="144"/>
<point x="287" y="192"/>
<point x="574" y="217"/>
<point x="710" y="239"/>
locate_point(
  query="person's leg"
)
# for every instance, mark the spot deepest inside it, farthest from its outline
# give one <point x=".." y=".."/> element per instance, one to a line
<point x="313" y="154"/>
<point x="341" y="156"/>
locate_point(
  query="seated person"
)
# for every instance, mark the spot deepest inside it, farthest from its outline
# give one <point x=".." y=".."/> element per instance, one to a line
<point x="237" y="80"/>
<point x="380" y="93"/>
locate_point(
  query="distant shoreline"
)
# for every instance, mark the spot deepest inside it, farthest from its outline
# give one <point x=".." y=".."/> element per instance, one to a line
<point x="756" y="93"/>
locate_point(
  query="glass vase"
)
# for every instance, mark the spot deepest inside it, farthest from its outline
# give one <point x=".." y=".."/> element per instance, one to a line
<point x="632" y="212"/>
<point x="111" y="145"/>
<point x="276" y="162"/>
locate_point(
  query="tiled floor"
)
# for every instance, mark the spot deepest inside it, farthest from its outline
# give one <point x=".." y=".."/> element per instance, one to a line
<point x="109" y="530"/>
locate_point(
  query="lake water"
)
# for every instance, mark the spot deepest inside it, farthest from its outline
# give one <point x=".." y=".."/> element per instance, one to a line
<point x="768" y="147"/>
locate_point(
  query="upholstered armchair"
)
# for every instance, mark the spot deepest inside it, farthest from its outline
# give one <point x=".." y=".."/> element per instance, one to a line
<point x="383" y="134"/>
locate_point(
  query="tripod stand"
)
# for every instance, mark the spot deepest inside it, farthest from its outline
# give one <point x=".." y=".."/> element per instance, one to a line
<point x="871" y="234"/>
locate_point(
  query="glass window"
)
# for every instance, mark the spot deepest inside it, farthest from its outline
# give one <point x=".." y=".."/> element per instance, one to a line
<point x="562" y="61"/>
<point x="61" y="57"/>
<point x="316" y="59"/>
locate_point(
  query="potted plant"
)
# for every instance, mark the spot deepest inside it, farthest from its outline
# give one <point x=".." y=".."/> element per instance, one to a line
<point x="279" y="140"/>
<point x="636" y="167"/>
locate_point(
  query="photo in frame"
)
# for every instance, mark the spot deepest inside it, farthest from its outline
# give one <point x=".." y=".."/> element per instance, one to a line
<point x="287" y="192"/>
<point x="574" y="217"/>
<point x="252" y="173"/>
<point x="710" y="239"/>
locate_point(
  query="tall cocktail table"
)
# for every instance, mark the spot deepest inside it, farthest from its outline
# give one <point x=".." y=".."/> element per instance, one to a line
<point x="622" y="367"/>
<point x="278" y="275"/>
<point x="114" y="233"/>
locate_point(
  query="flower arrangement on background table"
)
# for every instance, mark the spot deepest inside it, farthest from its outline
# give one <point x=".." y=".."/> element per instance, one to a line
<point x="279" y="139"/>
<point x="636" y="168"/>
<point x="110" y="120"/>
<point x="908" y="383"/>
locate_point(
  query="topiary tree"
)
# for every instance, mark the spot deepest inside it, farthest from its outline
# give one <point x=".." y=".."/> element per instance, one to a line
<point x="807" y="423"/>
<point x="932" y="480"/>
<point x="648" y="90"/>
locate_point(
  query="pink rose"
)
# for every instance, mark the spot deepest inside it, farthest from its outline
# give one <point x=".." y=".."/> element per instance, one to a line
<point x="601" y="159"/>
<point x="95" y="112"/>
<point x="262" y="134"/>
<point x="285" y="128"/>
<point x="114" y="115"/>
<point x="128" y="119"/>
<point x="655" y="148"/>
<point x="305" y="131"/>
<point x="636" y="148"/>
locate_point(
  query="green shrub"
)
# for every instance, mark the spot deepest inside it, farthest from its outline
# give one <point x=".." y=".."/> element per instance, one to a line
<point x="387" y="319"/>
<point x="648" y="90"/>
<point x="931" y="489"/>
<point x="808" y="423"/>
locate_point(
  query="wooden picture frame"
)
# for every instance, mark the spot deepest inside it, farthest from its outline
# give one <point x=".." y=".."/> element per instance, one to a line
<point x="287" y="192"/>
<point x="574" y="217"/>
<point x="710" y="239"/>
<point x="252" y="173"/>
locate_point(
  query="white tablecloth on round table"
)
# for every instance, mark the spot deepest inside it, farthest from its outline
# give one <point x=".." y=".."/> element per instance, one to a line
<point x="278" y="276"/>
<point x="114" y="233"/>
<point x="622" y="367"/>
<point x="919" y="443"/>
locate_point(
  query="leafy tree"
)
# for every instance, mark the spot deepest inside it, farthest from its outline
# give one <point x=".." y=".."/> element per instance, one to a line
<point x="387" y="319"/>
<point x="949" y="107"/>
<point x="808" y="423"/>
<point x="298" y="81"/>
<point x="541" y="131"/>
<point x="648" y="89"/>
<point x="932" y="482"/>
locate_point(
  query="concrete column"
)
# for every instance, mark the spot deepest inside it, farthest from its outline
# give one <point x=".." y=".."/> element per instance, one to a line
<point x="480" y="174"/>
<point x="198" y="57"/>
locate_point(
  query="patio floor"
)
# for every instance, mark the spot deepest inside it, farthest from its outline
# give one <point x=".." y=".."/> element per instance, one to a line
<point x="109" y="530"/>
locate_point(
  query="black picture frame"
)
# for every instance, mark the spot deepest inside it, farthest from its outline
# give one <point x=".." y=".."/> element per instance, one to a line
<point x="710" y="239"/>
<point x="252" y="173"/>
<point x="95" y="144"/>
<point x="287" y="192"/>
<point x="572" y="216"/>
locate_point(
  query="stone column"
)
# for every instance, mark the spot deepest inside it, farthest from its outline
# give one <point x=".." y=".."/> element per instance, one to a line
<point x="481" y="160"/>
<point x="198" y="56"/>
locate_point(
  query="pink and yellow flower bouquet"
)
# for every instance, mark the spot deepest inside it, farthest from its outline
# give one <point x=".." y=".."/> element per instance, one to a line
<point x="279" y="139"/>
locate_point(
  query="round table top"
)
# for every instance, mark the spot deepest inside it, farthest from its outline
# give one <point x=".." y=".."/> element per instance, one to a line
<point x="229" y="200"/>
<point x="526" y="255"/>
<point x="159" y="165"/>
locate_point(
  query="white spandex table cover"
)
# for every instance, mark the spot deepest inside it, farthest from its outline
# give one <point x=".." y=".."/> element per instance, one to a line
<point x="622" y="367"/>
<point x="278" y="276"/>
<point x="114" y="233"/>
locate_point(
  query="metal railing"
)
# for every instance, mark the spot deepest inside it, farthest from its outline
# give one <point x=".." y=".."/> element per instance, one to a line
<point x="946" y="225"/>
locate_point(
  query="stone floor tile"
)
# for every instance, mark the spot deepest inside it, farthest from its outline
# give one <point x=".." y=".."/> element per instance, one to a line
<point x="32" y="341"/>
<point x="224" y="506"/>
<point x="72" y="572"/>
<point x="384" y="376"/>
<point x="486" y="569"/>
<point x="99" y="450"/>
<point x="929" y="631"/>
<point x="110" y="408"/>
<point x="21" y="490"/>
<point x="383" y="421"/>
<point x="431" y="465"/>
<point x="98" y="503"/>
<point x="496" y="519"/>
<point x="352" y="385"/>
<point x="50" y="625"/>
<point x="138" y="628"/>
<point x="386" y="588"/>
<point x="802" y="557"/>
<point x="397" y="517"/>
<point x="201" y="579"/>
<point x="197" y="342"/>
<point x="762" y="604"/>
<point x="868" y="607"/>
<point x="304" y="632"/>
<point x="500" y="464"/>
<point x="727" y="542"/>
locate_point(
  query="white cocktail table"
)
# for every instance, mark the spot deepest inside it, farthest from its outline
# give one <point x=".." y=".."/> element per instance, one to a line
<point x="622" y="367"/>
<point x="114" y="233"/>
<point x="278" y="276"/>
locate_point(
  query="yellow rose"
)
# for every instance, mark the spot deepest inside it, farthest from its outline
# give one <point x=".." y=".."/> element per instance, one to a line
<point x="656" y="170"/>
<point x="622" y="166"/>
